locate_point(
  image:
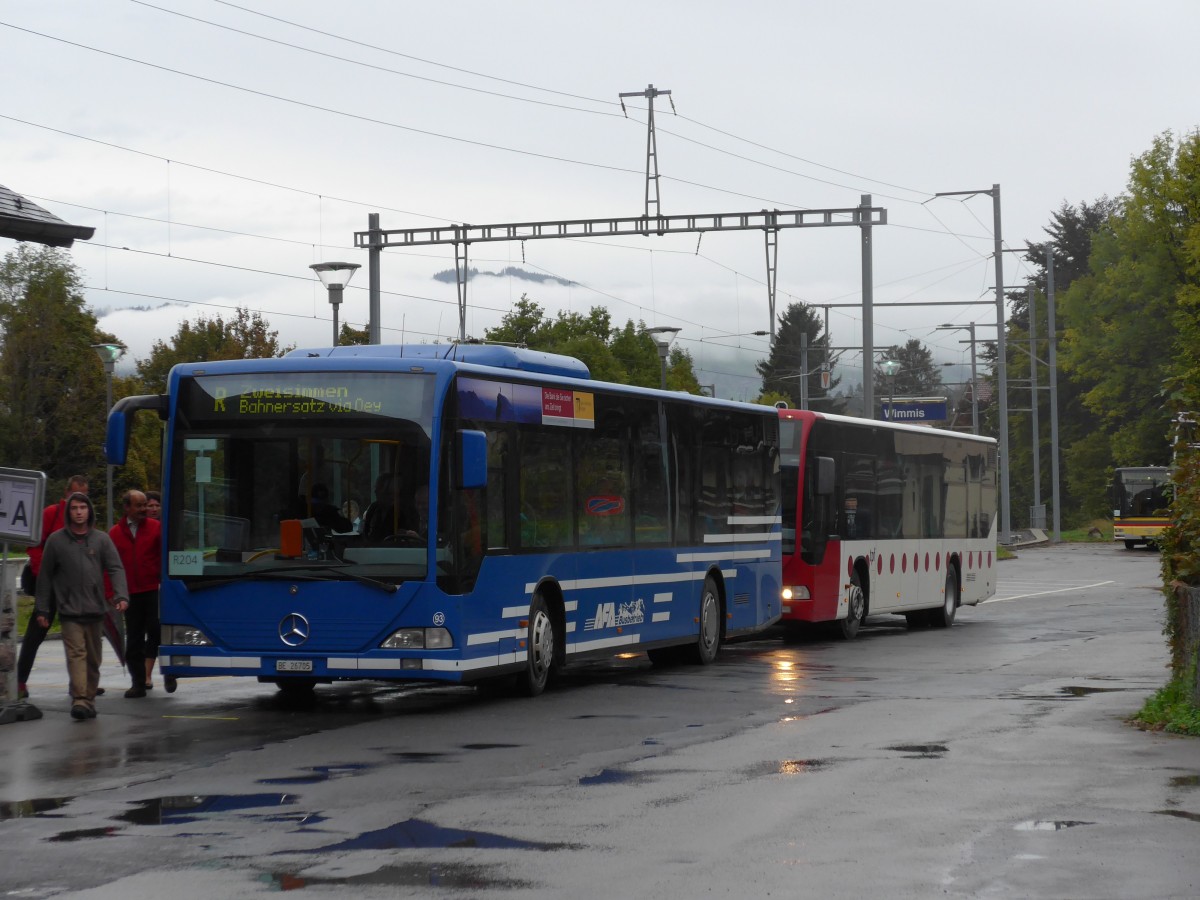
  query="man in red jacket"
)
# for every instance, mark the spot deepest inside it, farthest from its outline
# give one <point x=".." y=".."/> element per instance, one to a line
<point x="138" y="539"/>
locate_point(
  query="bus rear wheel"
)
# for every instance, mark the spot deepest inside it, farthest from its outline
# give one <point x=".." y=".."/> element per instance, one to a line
<point x="943" y="616"/>
<point x="539" y="664"/>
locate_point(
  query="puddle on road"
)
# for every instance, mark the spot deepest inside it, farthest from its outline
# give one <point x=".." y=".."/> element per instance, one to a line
<point x="921" y="751"/>
<point x="319" y="774"/>
<point x="1047" y="825"/>
<point x="613" y="776"/>
<point x="787" y="767"/>
<point x="187" y="808"/>
<point x="416" y="756"/>
<point x="1080" y="691"/>
<point x="1179" y="814"/>
<point x="1064" y="695"/>
<point x="408" y="875"/>
<point x="419" y="834"/>
<point x="622" y="716"/>
<point x="24" y="809"/>
<point x="83" y="834"/>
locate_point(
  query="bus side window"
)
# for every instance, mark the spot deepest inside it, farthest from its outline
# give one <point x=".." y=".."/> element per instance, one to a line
<point x="546" y="490"/>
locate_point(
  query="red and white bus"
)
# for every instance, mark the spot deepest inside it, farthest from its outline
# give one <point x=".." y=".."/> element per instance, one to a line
<point x="884" y="518"/>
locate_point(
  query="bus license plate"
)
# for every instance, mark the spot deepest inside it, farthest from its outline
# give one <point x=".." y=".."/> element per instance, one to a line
<point x="293" y="665"/>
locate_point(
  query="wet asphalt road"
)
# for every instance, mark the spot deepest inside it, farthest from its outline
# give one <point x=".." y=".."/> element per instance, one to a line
<point x="990" y="760"/>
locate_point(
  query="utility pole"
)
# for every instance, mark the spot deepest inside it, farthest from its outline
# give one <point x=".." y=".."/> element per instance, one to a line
<point x="804" y="370"/>
<point x="374" y="244"/>
<point x="1037" y="515"/>
<point x="970" y="327"/>
<point x="868" y="302"/>
<point x="1052" y="338"/>
<point x="1001" y="360"/>
<point x="651" y="146"/>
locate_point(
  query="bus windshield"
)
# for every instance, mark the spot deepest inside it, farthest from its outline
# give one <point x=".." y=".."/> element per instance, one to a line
<point x="324" y="475"/>
<point x="1143" y="492"/>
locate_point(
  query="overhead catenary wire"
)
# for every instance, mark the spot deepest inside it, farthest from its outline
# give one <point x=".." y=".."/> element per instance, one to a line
<point x="319" y="194"/>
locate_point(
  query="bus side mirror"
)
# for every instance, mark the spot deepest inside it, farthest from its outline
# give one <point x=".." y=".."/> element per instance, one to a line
<point x="120" y="423"/>
<point x="824" y="476"/>
<point x="472" y="454"/>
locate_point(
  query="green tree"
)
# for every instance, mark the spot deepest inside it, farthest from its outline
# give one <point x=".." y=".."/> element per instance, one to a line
<point x="1124" y="316"/>
<point x="1084" y="469"/>
<point x="52" y="384"/>
<point x="624" y="355"/>
<point x="918" y="375"/>
<point x="245" y="336"/>
<point x="780" y="371"/>
<point x="349" y="335"/>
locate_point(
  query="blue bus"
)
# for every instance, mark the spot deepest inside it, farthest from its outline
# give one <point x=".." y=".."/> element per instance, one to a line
<point x="454" y="513"/>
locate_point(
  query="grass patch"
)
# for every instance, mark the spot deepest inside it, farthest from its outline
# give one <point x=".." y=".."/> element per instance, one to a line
<point x="25" y="613"/>
<point x="1003" y="552"/>
<point x="1087" y="534"/>
<point x="1171" y="710"/>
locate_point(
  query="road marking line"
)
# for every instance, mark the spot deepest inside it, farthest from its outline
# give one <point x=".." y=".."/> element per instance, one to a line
<point x="1081" y="587"/>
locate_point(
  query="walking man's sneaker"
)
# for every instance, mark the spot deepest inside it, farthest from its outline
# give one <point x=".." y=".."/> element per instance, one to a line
<point x="79" y="711"/>
<point x="136" y="691"/>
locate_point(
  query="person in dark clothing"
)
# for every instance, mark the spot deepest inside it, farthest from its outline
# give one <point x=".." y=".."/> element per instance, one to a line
<point x="138" y="540"/>
<point x="326" y="514"/>
<point x="378" y="522"/>
<point x="54" y="517"/>
<point x="74" y="563"/>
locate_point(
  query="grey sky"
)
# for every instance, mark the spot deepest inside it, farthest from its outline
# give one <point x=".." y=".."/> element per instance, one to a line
<point x="508" y="113"/>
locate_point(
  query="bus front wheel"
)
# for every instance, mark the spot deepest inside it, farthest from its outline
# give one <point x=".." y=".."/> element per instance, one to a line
<point x="847" y="628"/>
<point x="943" y="617"/>
<point x="539" y="664"/>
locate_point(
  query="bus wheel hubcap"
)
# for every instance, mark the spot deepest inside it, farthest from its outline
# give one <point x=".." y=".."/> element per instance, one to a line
<point x="542" y="643"/>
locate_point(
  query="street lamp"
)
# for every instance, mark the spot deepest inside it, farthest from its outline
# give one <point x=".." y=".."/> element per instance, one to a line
<point x="974" y="393"/>
<point x="663" y="335"/>
<point x="109" y="354"/>
<point x="892" y="367"/>
<point x="335" y="276"/>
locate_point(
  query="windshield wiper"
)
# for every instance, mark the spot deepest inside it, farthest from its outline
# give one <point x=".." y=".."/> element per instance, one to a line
<point x="307" y="573"/>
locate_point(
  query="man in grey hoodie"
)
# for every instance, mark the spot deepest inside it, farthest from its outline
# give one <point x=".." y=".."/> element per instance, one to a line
<point x="74" y="564"/>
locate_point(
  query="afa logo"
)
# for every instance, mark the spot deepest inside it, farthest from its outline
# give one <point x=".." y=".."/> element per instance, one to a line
<point x="604" y="505"/>
<point x="610" y="615"/>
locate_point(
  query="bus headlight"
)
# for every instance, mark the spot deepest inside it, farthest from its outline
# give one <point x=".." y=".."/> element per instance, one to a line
<point x="184" y="635"/>
<point x="419" y="639"/>
<point x="794" y="592"/>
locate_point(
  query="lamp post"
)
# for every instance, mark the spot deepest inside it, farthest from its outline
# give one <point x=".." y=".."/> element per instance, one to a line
<point x="109" y="354"/>
<point x="662" y="336"/>
<point x="890" y="368"/>
<point x="335" y="276"/>
<point x="974" y="393"/>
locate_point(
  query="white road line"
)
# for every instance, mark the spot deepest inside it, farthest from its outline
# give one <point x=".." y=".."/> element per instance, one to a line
<point x="1080" y="587"/>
